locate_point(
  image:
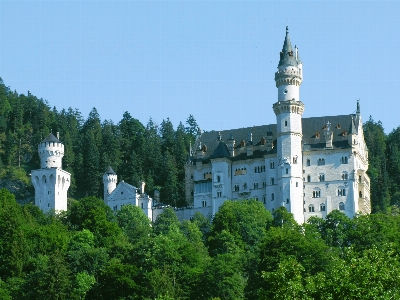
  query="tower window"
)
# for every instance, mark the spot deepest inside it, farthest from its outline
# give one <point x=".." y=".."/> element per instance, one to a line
<point x="287" y="171"/>
<point x="316" y="194"/>
<point x="272" y="165"/>
<point x="341" y="206"/>
<point x="322" y="207"/>
<point x="285" y="123"/>
<point x="308" y="178"/>
<point x="272" y="197"/>
<point x="308" y="163"/>
<point x="311" y="208"/>
<point x="142" y="205"/>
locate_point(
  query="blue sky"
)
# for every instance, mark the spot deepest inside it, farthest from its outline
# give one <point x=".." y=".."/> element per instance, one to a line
<point x="212" y="59"/>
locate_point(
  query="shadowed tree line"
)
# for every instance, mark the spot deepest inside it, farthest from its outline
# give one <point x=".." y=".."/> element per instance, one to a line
<point x="245" y="252"/>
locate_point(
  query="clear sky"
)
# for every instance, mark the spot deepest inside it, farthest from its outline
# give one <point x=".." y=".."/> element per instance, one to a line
<point x="212" y="59"/>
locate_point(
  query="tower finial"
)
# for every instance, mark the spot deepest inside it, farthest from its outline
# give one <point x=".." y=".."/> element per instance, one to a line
<point x="287" y="29"/>
<point x="358" y="107"/>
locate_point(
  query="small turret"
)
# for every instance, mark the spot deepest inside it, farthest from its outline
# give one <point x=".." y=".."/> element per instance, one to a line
<point x="109" y="181"/>
<point x="51" y="152"/>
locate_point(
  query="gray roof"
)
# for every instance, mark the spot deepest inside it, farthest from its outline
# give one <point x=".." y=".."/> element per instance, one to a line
<point x="110" y="171"/>
<point x="51" y="138"/>
<point x="313" y="138"/>
<point x="287" y="56"/>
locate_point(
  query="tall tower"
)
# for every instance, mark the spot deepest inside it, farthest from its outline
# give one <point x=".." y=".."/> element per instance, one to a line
<point x="110" y="182"/>
<point x="51" y="182"/>
<point x="288" y="111"/>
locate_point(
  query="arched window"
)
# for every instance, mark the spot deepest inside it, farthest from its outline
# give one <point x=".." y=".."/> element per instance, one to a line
<point x="321" y="161"/>
<point x="359" y="194"/>
<point x="308" y="178"/>
<point x="322" y="207"/>
<point x="311" y="208"/>
<point x="341" y="206"/>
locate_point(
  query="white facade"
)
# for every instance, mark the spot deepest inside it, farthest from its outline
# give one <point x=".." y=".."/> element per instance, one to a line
<point x="51" y="182"/>
<point x="116" y="196"/>
<point x="311" y="166"/>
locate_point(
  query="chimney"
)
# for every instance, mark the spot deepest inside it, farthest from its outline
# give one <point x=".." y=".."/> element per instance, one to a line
<point x="142" y="186"/>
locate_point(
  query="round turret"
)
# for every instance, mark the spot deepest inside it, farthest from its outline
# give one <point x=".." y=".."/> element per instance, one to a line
<point x="51" y="152"/>
<point x="109" y="181"/>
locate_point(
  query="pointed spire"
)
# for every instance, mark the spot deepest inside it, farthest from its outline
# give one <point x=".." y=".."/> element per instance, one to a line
<point x="352" y="126"/>
<point x="287" y="56"/>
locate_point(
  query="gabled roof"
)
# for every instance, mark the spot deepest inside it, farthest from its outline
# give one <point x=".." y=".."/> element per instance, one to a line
<point x="121" y="188"/>
<point x="51" y="138"/>
<point x="313" y="138"/>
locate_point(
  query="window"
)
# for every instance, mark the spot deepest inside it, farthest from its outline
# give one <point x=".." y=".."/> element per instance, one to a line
<point x="264" y="199"/>
<point x="287" y="171"/>
<point x="218" y="178"/>
<point x="311" y="208"/>
<point x="322" y="177"/>
<point x="308" y="178"/>
<point x="359" y="194"/>
<point x="204" y="203"/>
<point x="322" y="207"/>
<point x="344" y="160"/>
<point x="285" y="123"/>
<point x="316" y="194"/>
<point x="272" y="165"/>
<point x="48" y="204"/>
<point x="48" y="192"/>
<point x="264" y="184"/>
<point x="308" y="163"/>
<point x="287" y="201"/>
<point x="256" y="185"/>
<point x="142" y="205"/>
<point x="219" y="194"/>
<point x="297" y="184"/>
<point x="115" y="207"/>
<point x="341" y="192"/>
<point x="272" y="197"/>
<point x="236" y="188"/>
<point x="341" y="206"/>
<point x="272" y="180"/>
<point x="245" y="186"/>
<point x="256" y="198"/>
<point x="295" y="160"/>
<point x="321" y="161"/>
<point x="345" y="176"/>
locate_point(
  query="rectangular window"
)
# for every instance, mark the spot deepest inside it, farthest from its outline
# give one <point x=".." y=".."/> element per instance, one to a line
<point x="264" y="184"/>
<point x="204" y="203"/>
<point x="256" y="185"/>
<point x="287" y="171"/>
<point x="272" y="165"/>
<point x="341" y="192"/>
<point x="142" y="205"/>
<point x="219" y="194"/>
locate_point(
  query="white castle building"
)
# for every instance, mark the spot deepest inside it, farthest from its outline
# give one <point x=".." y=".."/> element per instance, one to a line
<point x="311" y="166"/>
<point x="116" y="196"/>
<point x="51" y="182"/>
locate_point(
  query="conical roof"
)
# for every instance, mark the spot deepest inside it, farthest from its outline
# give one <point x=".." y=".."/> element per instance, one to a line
<point x="221" y="151"/>
<point x="287" y="55"/>
<point x="110" y="171"/>
<point x="51" y="138"/>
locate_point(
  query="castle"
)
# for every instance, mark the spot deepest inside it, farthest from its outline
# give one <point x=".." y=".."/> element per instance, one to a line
<point x="311" y="166"/>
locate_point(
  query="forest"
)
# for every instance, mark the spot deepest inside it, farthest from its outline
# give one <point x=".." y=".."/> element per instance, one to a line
<point x="244" y="252"/>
